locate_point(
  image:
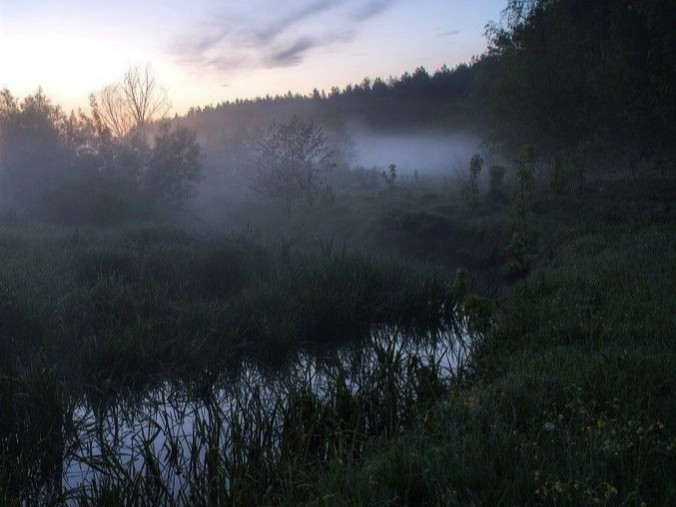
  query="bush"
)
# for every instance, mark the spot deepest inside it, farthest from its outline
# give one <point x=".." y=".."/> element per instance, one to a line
<point x="496" y="175"/>
<point x="475" y="166"/>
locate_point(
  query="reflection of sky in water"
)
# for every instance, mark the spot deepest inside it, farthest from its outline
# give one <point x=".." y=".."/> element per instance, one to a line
<point x="175" y="429"/>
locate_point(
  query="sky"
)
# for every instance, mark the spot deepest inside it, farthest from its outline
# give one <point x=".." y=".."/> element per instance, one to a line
<point x="208" y="51"/>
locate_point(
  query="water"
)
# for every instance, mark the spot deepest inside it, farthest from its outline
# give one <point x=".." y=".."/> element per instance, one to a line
<point x="166" y="432"/>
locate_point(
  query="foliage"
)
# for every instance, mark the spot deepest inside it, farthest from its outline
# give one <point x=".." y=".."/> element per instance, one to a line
<point x="70" y="169"/>
<point x="34" y="154"/>
<point x="419" y="98"/>
<point x="390" y="176"/>
<point x="496" y="180"/>
<point x="174" y="167"/>
<point x="475" y="166"/>
<point x="560" y="73"/>
<point x="523" y="246"/>
<point x="287" y="159"/>
<point x="477" y="310"/>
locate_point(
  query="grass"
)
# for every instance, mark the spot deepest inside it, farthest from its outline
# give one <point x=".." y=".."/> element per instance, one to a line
<point x="567" y="400"/>
<point x="101" y="305"/>
<point x="573" y="398"/>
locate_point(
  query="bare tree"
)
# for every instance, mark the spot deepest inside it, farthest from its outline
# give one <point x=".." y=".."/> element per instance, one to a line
<point x="133" y="103"/>
<point x="111" y="109"/>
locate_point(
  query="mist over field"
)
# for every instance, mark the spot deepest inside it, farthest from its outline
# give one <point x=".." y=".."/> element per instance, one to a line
<point x="426" y="152"/>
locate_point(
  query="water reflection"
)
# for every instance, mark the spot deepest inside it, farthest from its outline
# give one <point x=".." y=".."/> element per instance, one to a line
<point x="175" y="435"/>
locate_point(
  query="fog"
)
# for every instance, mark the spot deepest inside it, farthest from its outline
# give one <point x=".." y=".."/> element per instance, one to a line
<point x="428" y="153"/>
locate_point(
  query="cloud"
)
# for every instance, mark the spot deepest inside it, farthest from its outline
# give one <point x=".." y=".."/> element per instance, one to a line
<point x="281" y="25"/>
<point x="261" y="36"/>
<point x="292" y="54"/>
<point x="224" y="62"/>
<point x="295" y="52"/>
<point x="371" y="9"/>
<point x="450" y="33"/>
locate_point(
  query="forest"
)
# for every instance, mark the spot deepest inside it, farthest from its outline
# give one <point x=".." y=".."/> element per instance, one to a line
<point x="451" y="287"/>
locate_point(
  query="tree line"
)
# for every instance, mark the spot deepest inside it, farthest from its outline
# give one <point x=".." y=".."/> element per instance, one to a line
<point x="565" y="76"/>
<point x="584" y="83"/>
<point x="588" y="76"/>
<point x="119" y="162"/>
<point x="416" y="99"/>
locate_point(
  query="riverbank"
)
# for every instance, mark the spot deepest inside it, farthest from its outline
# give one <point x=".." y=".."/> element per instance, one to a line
<point x="567" y="399"/>
<point x="574" y="395"/>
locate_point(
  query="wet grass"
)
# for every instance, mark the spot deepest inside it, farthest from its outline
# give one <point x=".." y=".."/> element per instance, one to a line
<point x="574" y="397"/>
<point x="568" y="400"/>
<point x="106" y="305"/>
<point x="97" y="318"/>
<point x="281" y="431"/>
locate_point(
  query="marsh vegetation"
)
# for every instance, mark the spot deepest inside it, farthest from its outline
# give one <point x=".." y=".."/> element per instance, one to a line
<point x="453" y="288"/>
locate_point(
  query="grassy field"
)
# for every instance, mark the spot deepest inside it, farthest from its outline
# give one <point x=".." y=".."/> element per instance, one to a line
<point x="568" y="399"/>
<point x="573" y="398"/>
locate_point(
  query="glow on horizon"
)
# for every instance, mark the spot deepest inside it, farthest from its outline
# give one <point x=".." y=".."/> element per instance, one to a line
<point x="72" y="48"/>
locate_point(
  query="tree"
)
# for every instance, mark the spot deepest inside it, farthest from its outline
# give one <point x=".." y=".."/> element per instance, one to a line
<point x="496" y="180"/>
<point x="562" y="73"/>
<point x="174" y="168"/>
<point x="73" y="170"/>
<point x="286" y="160"/>
<point x="475" y="166"/>
<point x="34" y="153"/>
<point x="133" y="103"/>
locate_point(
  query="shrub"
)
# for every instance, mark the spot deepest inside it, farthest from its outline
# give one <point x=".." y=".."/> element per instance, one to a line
<point x="496" y="175"/>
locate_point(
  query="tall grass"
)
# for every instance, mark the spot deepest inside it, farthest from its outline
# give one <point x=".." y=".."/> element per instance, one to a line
<point x="200" y="370"/>
<point x="216" y="442"/>
<point x="120" y="305"/>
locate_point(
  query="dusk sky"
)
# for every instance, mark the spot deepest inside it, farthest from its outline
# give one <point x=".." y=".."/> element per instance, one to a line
<point x="207" y="51"/>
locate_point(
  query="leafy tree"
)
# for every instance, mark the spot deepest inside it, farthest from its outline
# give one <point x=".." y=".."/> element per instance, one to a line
<point x="475" y="166"/>
<point x="496" y="174"/>
<point x="287" y="159"/>
<point x="475" y="310"/>
<point x="560" y="73"/>
<point x="72" y="169"/>
<point x="34" y="154"/>
<point x="174" y="168"/>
